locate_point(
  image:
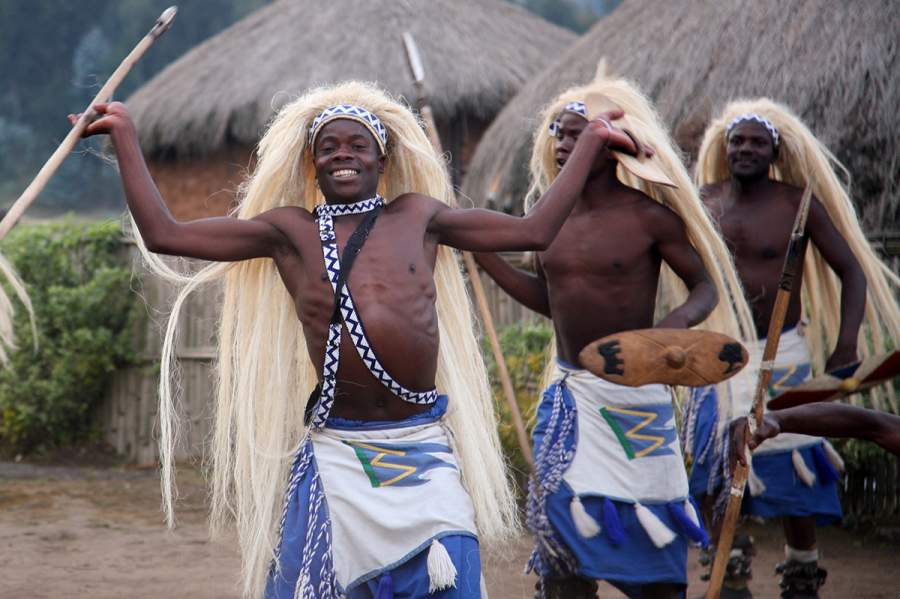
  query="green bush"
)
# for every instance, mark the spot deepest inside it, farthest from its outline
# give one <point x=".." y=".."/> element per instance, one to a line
<point x="81" y="293"/>
<point x="525" y="347"/>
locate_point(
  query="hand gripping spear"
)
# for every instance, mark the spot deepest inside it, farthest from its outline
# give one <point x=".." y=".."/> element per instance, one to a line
<point x="418" y="73"/>
<point x="793" y="262"/>
<point x="31" y="192"/>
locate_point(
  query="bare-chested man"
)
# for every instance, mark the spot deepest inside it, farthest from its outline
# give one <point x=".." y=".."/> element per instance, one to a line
<point x="375" y="503"/>
<point x="756" y="213"/>
<point x="600" y="276"/>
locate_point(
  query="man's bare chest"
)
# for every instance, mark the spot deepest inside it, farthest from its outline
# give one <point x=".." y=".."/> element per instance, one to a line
<point x="756" y="237"/>
<point x="599" y="247"/>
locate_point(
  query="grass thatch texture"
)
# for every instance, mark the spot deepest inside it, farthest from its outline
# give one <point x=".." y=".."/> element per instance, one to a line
<point x="834" y="63"/>
<point x="477" y="54"/>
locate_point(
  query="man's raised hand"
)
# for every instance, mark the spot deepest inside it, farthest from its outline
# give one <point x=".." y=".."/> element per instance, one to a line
<point x="602" y="129"/>
<point x="109" y="117"/>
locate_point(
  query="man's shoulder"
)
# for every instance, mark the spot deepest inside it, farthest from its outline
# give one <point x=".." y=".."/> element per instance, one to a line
<point x="414" y="202"/>
<point x="650" y="208"/>
<point x="712" y="191"/>
<point x="787" y="190"/>
<point x="285" y="214"/>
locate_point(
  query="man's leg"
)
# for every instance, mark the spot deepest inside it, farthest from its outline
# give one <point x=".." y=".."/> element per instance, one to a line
<point x="800" y="532"/>
<point x="801" y="575"/>
<point x="573" y="587"/>
<point x="662" y="590"/>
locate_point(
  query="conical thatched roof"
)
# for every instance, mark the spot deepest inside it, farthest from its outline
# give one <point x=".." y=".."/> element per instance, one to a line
<point x="835" y="63"/>
<point x="477" y="54"/>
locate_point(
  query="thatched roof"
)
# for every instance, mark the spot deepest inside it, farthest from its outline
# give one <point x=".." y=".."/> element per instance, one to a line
<point x="835" y="63"/>
<point x="477" y="55"/>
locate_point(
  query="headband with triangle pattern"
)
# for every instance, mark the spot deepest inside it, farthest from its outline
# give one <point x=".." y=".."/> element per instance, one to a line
<point x="353" y="113"/>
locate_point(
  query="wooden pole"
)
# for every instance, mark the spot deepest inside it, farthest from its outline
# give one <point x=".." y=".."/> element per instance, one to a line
<point x="56" y="159"/>
<point x="793" y="263"/>
<point x="418" y="73"/>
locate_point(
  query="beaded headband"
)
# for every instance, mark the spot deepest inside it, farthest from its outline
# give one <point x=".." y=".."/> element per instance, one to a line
<point x="573" y="107"/>
<point x="752" y="116"/>
<point x="353" y="113"/>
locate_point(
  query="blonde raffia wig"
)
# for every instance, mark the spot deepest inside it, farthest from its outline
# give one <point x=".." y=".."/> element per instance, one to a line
<point x="264" y="371"/>
<point x="7" y="310"/>
<point x="801" y="155"/>
<point x="732" y="314"/>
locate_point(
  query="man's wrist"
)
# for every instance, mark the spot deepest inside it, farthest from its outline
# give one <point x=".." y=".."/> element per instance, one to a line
<point x="124" y="132"/>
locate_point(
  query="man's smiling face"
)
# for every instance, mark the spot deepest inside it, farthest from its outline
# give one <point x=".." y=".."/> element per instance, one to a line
<point x="348" y="161"/>
<point x="749" y="150"/>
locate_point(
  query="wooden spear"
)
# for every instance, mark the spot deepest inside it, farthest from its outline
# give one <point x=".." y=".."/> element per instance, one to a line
<point x="56" y="159"/>
<point x="418" y="72"/>
<point x="793" y="262"/>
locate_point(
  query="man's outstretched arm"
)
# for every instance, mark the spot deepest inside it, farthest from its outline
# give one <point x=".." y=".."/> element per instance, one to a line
<point x="827" y="420"/>
<point x="480" y="230"/>
<point x="221" y="239"/>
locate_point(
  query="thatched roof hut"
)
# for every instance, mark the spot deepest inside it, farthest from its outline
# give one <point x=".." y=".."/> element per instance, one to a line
<point x="835" y="63"/>
<point x="200" y="117"/>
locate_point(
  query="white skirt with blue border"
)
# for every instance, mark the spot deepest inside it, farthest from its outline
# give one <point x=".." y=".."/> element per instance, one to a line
<point x="377" y="509"/>
<point x="610" y="496"/>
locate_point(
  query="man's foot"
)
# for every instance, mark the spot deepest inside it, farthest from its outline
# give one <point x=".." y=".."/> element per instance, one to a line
<point x="565" y="588"/>
<point x="800" y="580"/>
<point x="738" y="572"/>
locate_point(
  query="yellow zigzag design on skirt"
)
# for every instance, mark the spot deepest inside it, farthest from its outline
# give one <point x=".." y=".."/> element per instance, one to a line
<point x="632" y="433"/>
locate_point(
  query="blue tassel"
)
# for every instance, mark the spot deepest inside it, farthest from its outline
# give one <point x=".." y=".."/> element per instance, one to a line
<point x="827" y="473"/>
<point x="686" y="523"/>
<point x="385" y="587"/>
<point x="612" y="526"/>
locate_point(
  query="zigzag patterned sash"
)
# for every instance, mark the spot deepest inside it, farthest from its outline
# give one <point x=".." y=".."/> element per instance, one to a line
<point x="325" y="214"/>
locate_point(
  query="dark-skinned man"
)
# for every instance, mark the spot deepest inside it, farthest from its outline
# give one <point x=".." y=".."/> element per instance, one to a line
<point x="387" y="486"/>
<point x="753" y="165"/>
<point x="609" y="499"/>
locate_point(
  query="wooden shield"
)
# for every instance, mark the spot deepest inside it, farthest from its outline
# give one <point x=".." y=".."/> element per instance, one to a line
<point x="669" y="356"/>
<point x="839" y="383"/>
<point x="646" y="168"/>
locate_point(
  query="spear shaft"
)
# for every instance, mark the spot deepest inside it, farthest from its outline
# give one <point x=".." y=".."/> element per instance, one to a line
<point x="418" y="72"/>
<point x="68" y="144"/>
<point x="793" y="262"/>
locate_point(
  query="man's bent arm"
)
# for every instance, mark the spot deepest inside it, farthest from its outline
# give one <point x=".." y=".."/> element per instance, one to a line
<point x="833" y="247"/>
<point x="527" y="289"/>
<point x="222" y="238"/>
<point x="676" y="250"/>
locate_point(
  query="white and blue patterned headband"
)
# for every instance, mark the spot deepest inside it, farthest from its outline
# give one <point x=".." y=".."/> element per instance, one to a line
<point x="573" y="107"/>
<point x="353" y="113"/>
<point x="752" y="116"/>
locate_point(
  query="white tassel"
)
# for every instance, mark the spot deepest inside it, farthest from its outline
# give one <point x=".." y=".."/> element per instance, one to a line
<point x="833" y="456"/>
<point x="484" y="592"/>
<point x="692" y="513"/>
<point x="757" y="486"/>
<point x="802" y="470"/>
<point x="441" y="571"/>
<point x="659" y="533"/>
<point x="585" y="524"/>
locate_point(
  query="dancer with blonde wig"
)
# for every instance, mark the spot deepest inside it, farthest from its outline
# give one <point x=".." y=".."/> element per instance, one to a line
<point x="755" y="159"/>
<point x="609" y="499"/>
<point x="378" y="484"/>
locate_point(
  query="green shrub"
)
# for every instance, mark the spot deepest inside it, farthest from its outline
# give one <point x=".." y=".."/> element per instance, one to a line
<point x="525" y="347"/>
<point x="80" y="287"/>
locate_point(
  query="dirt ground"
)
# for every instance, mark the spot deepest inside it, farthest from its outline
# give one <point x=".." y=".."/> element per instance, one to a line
<point x="96" y="532"/>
